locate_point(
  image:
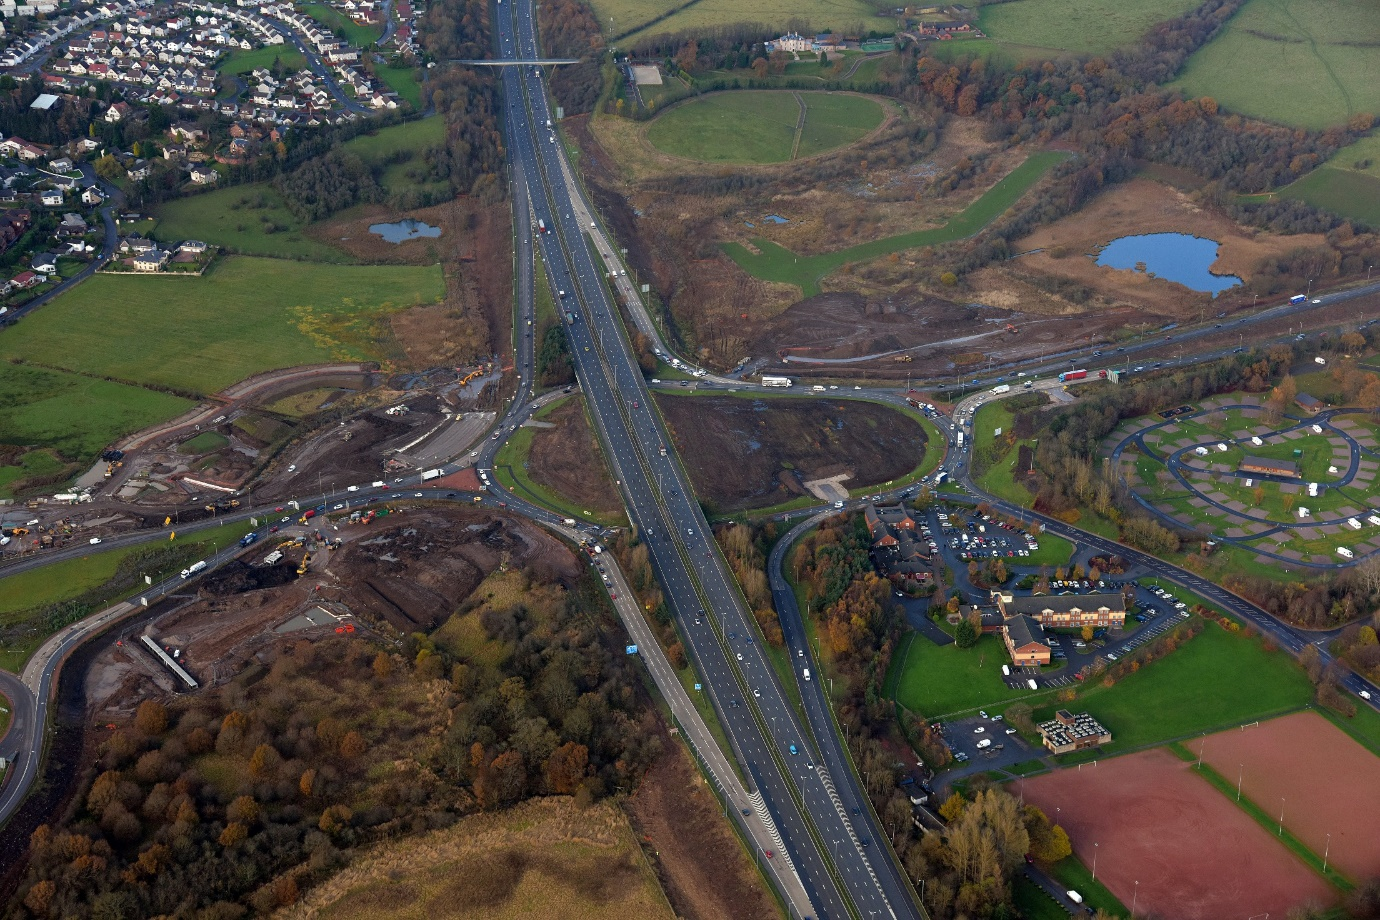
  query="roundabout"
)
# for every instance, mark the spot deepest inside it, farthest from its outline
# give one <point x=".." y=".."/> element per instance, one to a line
<point x="1299" y="490"/>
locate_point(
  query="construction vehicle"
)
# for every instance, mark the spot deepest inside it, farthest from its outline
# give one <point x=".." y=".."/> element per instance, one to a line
<point x="903" y="359"/>
<point x="1010" y="328"/>
<point x="306" y="561"/>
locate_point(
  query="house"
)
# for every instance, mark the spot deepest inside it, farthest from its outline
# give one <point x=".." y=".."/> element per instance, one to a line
<point x="1066" y="610"/>
<point x="118" y="112"/>
<point x="61" y="165"/>
<point x="186" y="131"/>
<point x="1069" y="732"/>
<point x="91" y="196"/>
<point x="192" y="247"/>
<point x="45" y="262"/>
<point x="44" y="102"/>
<point x="18" y="147"/>
<point x="25" y="280"/>
<point x="883" y="520"/>
<point x="1262" y="467"/>
<point x="151" y="260"/>
<point x="1025" y="641"/>
<point x="1310" y="404"/>
<point x="203" y="175"/>
<point x="791" y="41"/>
<point x="136" y="244"/>
<point x="51" y="198"/>
<point x="72" y="225"/>
<point x="140" y="170"/>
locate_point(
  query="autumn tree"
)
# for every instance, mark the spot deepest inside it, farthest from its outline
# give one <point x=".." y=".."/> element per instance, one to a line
<point x="307" y="784"/>
<point x="383" y="666"/>
<point x="244" y="810"/>
<point x="953" y="807"/>
<point x="151" y="718"/>
<point x="566" y="768"/>
<point x="352" y="745"/>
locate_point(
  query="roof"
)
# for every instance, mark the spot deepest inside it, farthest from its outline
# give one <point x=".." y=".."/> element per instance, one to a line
<point x="1262" y="463"/>
<point x="1070" y="728"/>
<point x="1310" y="402"/>
<point x="1024" y="631"/>
<point x="44" y="101"/>
<point x="1061" y="603"/>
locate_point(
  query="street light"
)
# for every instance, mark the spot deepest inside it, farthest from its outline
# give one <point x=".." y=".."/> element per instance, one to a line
<point x="1281" y="816"/>
<point x="1239" y="774"/>
<point x="1134" y="896"/>
<point x="1094" y="874"/>
<point x="1326" y="848"/>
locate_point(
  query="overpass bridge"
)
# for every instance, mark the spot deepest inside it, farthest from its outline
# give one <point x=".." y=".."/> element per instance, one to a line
<point x="513" y="63"/>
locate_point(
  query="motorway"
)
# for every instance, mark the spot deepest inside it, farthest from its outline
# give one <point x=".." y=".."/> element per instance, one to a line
<point x="805" y="802"/>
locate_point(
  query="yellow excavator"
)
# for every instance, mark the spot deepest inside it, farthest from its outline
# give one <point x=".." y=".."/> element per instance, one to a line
<point x="306" y="561"/>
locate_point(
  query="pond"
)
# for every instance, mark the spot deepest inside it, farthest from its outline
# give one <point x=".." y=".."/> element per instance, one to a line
<point x="1172" y="256"/>
<point x="404" y="230"/>
<point x="776" y="219"/>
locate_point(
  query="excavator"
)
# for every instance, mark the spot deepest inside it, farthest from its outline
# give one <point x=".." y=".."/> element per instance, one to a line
<point x="306" y="561"/>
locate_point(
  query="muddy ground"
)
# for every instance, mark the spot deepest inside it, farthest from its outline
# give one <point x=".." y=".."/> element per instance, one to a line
<point x="567" y="459"/>
<point x="405" y="572"/>
<point x="751" y="453"/>
<point x="700" y="863"/>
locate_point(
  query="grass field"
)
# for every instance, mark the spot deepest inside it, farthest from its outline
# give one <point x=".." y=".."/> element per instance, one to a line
<point x="238" y="62"/>
<point x="633" y="17"/>
<point x="758" y="126"/>
<point x="403" y="81"/>
<point x="78" y="416"/>
<point x="1043" y="25"/>
<point x="360" y="36"/>
<point x="1344" y="192"/>
<point x="939" y="680"/>
<point x="542" y="858"/>
<point x="415" y="135"/>
<point x="1331" y="75"/>
<point x="777" y="263"/>
<point x="204" y="443"/>
<point x="250" y="219"/>
<point x="1218" y="679"/>
<point x="245" y="316"/>
<point x="1053" y="551"/>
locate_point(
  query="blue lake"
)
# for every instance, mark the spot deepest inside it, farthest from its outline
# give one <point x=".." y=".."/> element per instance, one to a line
<point x="404" y="230"/>
<point x="1172" y="256"/>
<point x="776" y="219"/>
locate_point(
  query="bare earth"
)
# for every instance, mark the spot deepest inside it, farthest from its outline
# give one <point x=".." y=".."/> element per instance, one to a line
<point x="567" y="459"/>
<point x="1196" y="855"/>
<point x="1330" y="784"/>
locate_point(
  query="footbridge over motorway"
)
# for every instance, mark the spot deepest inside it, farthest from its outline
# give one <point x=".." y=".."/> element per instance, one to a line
<point x="513" y="63"/>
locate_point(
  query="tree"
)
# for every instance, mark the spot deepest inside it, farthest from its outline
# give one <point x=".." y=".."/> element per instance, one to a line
<point x="307" y="784"/>
<point x="953" y="807"/>
<point x="40" y="896"/>
<point x="335" y="819"/>
<point x="1087" y="633"/>
<point x="264" y="762"/>
<point x="352" y="745"/>
<point x="965" y="634"/>
<point x="151" y="718"/>
<point x="508" y="776"/>
<point x="244" y="810"/>
<point x="383" y="666"/>
<point x="567" y="767"/>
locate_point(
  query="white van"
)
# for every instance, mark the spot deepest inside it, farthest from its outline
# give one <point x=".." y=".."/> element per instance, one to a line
<point x="984" y="743"/>
<point x="807" y="674"/>
<point x="1032" y="685"/>
<point x="1006" y="670"/>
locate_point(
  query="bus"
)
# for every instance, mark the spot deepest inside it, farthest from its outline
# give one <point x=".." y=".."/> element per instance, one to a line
<point x="776" y="381"/>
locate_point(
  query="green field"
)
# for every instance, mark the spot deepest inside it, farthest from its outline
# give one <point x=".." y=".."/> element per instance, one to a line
<point x="403" y="81"/>
<point x="634" y="17"/>
<point x="777" y="263"/>
<point x="1034" y="28"/>
<point x="938" y="680"/>
<point x="1216" y="680"/>
<point x="415" y="135"/>
<point x="245" y="316"/>
<point x="1344" y="192"/>
<point x="358" y="35"/>
<point x="1318" y="44"/>
<point x="247" y="218"/>
<point x="759" y="126"/>
<point x="238" y="62"/>
<point x="1054" y="551"/>
<point x="75" y="415"/>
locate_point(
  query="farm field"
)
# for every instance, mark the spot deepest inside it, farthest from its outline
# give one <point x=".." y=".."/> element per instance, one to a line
<point x="759" y="126"/>
<point x="1215" y="680"/>
<point x="1042" y="25"/>
<point x="1170" y="840"/>
<point x="76" y="415"/>
<point x="403" y="81"/>
<point x="634" y="18"/>
<point x="543" y="858"/>
<point x="415" y="135"/>
<point x="774" y="262"/>
<point x="249" y="219"/>
<point x="1331" y="75"/>
<point x="1270" y="758"/>
<point x="245" y="316"/>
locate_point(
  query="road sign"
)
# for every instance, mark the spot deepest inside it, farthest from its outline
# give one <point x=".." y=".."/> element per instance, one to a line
<point x="697" y="687"/>
<point x="632" y="650"/>
<point x="997" y="433"/>
<point x="646" y="288"/>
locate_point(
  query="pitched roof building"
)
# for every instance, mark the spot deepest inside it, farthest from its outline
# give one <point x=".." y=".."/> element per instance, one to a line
<point x="1025" y="640"/>
<point x="1066" y="610"/>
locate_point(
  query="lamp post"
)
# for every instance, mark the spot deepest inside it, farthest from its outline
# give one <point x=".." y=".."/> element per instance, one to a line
<point x="1094" y="874"/>
<point x="1281" y="816"/>
<point x="1134" y="896"/>
<point x="1326" y="849"/>
<point x="1239" y="774"/>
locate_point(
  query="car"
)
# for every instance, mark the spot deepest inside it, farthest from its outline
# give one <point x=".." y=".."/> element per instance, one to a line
<point x="273" y="529"/>
<point x="793" y="750"/>
<point x="800" y="653"/>
<point x="740" y="656"/>
<point x="769" y="853"/>
<point x="979" y="730"/>
<point x="416" y="494"/>
<point x="1316" y="300"/>
<point x="95" y="540"/>
<point x="635" y="404"/>
<point x="997" y="717"/>
<point x="757" y="693"/>
<point x="1011" y="731"/>
<point x="983" y="713"/>
<point x="285" y="520"/>
<point x="689" y="531"/>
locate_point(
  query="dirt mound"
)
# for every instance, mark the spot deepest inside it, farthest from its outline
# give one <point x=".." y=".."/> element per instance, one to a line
<point x="844" y="325"/>
<point x="415" y="575"/>
<point x="737" y="448"/>
<point x="567" y="459"/>
<point x="238" y="576"/>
